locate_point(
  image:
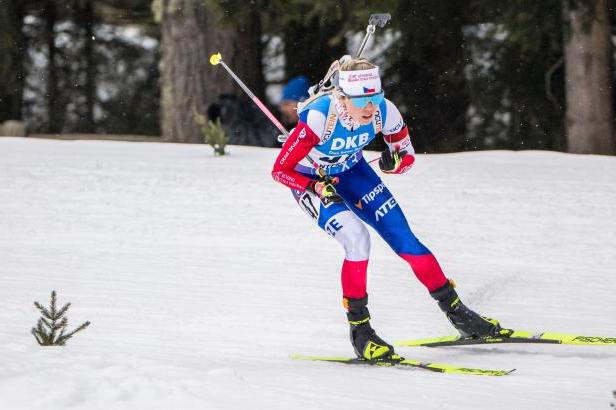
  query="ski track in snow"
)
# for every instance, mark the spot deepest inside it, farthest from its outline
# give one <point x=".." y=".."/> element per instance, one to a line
<point x="201" y="276"/>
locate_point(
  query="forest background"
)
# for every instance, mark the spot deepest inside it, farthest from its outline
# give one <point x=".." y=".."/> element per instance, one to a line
<point x="466" y="74"/>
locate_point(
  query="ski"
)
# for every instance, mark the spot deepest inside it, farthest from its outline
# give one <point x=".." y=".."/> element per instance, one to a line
<point x="513" y="336"/>
<point x="399" y="362"/>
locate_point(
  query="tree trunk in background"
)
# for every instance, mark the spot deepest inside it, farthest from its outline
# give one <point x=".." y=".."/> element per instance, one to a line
<point x="12" y="50"/>
<point x="86" y="21"/>
<point x="587" y="60"/>
<point x="54" y="110"/>
<point x="190" y="34"/>
<point x="245" y="52"/>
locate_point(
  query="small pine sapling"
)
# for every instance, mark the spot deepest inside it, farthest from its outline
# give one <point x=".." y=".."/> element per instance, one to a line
<point x="50" y="329"/>
<point x="212" y="132"/>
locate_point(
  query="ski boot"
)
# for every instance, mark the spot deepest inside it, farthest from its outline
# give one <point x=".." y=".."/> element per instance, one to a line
<point x="467" y="322"/>
<point x="366" y="343"/>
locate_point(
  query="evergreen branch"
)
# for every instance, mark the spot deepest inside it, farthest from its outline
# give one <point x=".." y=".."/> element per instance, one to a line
<point x="62" y="311"/>
<point x="48" y="315"/>
<point x="51" y="337"/>
<point x="43" y="310"/>
<point x="62" y="340"/>
<point x="39" y="326"/>
<point x="41" y="335"/>
<point x="45" y="322"/>
<point x="62" y="324"/>
<point x="39" y="307"/>
<point x="47" y="340"/>
<point x="36" y="336"/>
<point x="53" y="304"/>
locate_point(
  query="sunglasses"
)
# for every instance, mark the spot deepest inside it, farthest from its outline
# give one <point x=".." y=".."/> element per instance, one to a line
<point x="362" y="101"/>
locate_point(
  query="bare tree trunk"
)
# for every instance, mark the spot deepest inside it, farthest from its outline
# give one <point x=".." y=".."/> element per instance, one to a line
<point x="245" y="52"/>
<point x="190" y="34"/>
<point x="12" y="51"/>
<point x="87" y="20"/>
<point x="588" y="48"/>
<point x="53" y="108"/>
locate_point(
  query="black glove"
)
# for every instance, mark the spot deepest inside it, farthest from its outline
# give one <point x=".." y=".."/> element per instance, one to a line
<point x="394" y="162"/>
<point x="325" y="189"/>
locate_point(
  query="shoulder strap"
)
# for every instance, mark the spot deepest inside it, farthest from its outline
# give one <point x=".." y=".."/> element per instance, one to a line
<point x="377" y="121"/>
<point x="330" y="122"/>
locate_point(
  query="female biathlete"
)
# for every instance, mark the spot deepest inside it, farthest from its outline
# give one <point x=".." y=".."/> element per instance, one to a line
<point x="344" y="193"/>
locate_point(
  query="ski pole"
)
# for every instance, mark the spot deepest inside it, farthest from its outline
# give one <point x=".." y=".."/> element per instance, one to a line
<point x="216" y="59"/>
<point x="375" y="20"/>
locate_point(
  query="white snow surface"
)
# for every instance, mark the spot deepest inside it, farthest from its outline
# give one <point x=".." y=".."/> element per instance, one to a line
<point x="201" y="277"/>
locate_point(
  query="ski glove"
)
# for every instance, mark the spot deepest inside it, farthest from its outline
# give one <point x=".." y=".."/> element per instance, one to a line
<point x="326" y="191"/>
<point x="397" y="162"/>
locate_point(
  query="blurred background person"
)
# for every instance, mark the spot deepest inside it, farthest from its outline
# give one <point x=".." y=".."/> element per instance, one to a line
<point x="296" y="90"/>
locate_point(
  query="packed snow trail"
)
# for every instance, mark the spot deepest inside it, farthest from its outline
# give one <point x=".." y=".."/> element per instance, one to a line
<point x="201" y="277"/>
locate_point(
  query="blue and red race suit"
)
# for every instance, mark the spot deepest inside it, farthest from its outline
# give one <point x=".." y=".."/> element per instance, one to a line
<point x="329" y="136"/>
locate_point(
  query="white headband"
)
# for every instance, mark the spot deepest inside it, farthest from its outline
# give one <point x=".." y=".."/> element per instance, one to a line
<point x="360" y="82"/>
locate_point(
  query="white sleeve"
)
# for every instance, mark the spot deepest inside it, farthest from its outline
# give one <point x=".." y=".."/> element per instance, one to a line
<point x="316" y="122"/>
<point x="395" y="135"/>
<point x="394" y="121"/>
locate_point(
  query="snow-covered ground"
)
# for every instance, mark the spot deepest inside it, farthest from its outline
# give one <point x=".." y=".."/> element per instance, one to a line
<point x="201" y="277"/>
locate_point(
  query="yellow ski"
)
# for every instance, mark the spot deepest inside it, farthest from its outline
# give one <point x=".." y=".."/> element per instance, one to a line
<point x="513" y="336"/>
<point x="400" y="361"/>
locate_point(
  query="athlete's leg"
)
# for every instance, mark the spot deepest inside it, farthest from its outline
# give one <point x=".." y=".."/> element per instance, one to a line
<point x="375" y="205"/>
<point x="338" y="221"/>
<point x="370" y="199"/>
<point x="344" y="226"/>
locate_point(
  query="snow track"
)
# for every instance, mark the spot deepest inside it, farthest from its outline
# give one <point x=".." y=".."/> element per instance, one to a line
<point x="200" y="277"/>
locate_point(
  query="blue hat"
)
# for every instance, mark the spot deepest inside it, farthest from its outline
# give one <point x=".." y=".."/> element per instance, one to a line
<point x="296" y="89"/>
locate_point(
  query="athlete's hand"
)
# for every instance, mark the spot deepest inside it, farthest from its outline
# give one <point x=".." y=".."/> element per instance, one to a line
<point x="397" y="162"/>
<point x="326" y="190"/>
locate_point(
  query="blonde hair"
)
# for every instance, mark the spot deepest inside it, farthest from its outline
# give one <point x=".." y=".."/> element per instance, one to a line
<point x="356" y="64"/>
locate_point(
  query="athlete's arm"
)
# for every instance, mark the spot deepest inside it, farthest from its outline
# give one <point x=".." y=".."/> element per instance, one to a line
<point x="295" y="148"/>
<point x="300" y="142"/>
<point x="400" y="156"/>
